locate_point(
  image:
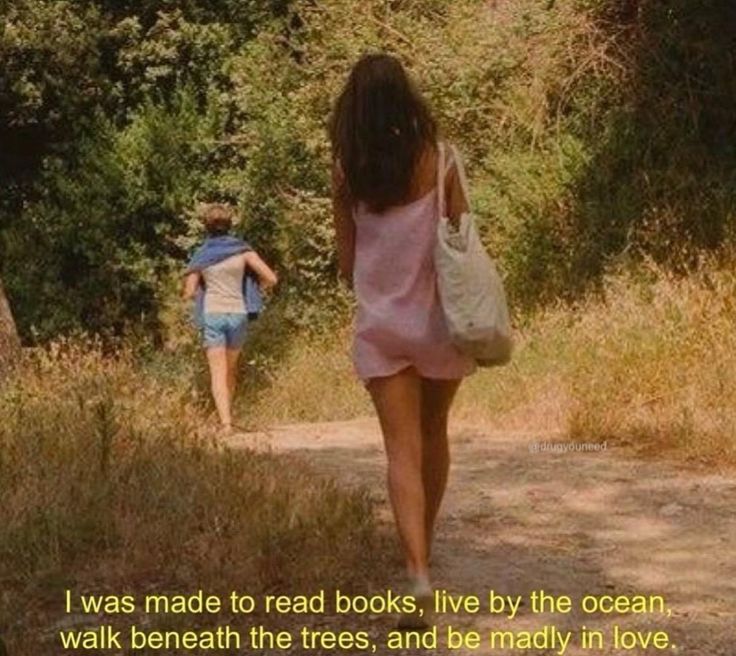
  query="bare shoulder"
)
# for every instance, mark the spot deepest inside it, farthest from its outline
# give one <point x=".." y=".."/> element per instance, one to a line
<point x="426" y="172"/>
<point x="429" y="163"/>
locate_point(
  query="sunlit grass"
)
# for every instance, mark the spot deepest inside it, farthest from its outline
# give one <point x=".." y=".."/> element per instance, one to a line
<point x="650" y="359"/>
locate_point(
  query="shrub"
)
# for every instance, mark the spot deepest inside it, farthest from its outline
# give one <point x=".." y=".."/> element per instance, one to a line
<point x="93" y="251"/>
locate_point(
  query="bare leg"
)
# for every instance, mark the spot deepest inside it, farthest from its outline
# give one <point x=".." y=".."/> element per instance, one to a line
<point x="217" y="359"/>
<point x="232" y="373"/>
<point x="232" y="370"/>
<point x="398" y="403"/>
<point x="437" y="397"/>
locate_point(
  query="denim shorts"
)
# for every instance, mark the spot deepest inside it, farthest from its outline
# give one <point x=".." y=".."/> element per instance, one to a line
<point x="224" y="329"/>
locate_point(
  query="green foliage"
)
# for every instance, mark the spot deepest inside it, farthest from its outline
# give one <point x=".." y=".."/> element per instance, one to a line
<point x="173" y="53"/>
<point x="93" y="250"/>
<point x="589" y="137"/>
<point x="51" y="78"/>
<point x="45" y="48"/>
<point x="246" y="16"/>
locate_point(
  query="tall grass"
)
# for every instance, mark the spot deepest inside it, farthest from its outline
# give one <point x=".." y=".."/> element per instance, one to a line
<point x="650" y="360"/>
<point x="657" y="365"/>
<point x="108" y="481"/>
<point x="312" y="380"/>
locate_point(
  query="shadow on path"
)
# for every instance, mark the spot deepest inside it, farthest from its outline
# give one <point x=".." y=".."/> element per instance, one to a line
<point x="575" y="524"/>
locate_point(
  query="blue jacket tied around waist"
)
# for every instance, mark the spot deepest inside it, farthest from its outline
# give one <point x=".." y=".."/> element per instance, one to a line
<point x="213" y="251"/>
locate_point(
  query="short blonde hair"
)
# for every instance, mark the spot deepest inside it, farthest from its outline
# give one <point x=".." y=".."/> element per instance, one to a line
<point x="218" y="218"/>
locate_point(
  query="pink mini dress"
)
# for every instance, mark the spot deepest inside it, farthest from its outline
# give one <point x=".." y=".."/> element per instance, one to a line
<point x="399" y="321"/>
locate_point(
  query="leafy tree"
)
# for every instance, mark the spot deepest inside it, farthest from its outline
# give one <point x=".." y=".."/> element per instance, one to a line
<point x="51" y="77"/>
<point x="593" y="130"/>
<point x="95" y="249"/>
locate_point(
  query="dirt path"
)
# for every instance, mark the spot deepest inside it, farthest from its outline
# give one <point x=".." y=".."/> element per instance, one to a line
<point x="515" y="521"/>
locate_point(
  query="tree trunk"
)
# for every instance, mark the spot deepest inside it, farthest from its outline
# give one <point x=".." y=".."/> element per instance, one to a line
<point x="9" y="342"/>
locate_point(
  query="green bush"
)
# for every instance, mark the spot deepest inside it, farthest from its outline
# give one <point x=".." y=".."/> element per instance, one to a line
<point x="590" y="136"/>
<point x="93" y="250"/>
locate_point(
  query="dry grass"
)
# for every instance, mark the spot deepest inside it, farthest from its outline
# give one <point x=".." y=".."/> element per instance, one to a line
<point x="108" y="479"/>
<point x="657" y="365"/>
<point x="313" y="380"/>
<point x="109" y="483"/>
<point x="651" y="361"/>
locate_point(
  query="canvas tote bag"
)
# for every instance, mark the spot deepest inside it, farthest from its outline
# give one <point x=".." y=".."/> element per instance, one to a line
<point x="471" y="291"/>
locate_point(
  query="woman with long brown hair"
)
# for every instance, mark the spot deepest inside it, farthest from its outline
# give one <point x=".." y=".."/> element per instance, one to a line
<point x="387" y="207"/>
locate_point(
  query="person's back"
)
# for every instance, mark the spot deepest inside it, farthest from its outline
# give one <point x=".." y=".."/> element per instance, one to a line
<point x="216" y="278"/>
<point x="399" y="320"/>
<point x="386" y="206"/>
<point x="223" y="286"/>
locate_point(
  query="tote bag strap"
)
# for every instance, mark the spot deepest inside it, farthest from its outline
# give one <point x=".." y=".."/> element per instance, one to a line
<point x="441" y="178"/>
<point x="457" y="160"/>
<point x="442" y="170"/>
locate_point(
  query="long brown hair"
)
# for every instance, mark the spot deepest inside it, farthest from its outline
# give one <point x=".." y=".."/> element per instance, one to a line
<point x="379" y="129"/>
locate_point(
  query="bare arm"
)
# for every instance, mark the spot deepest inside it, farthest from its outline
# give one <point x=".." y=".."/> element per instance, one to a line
<point x="191" y="284"/>
<point x="266" y="275"/>
<point x="344" y="226"/>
